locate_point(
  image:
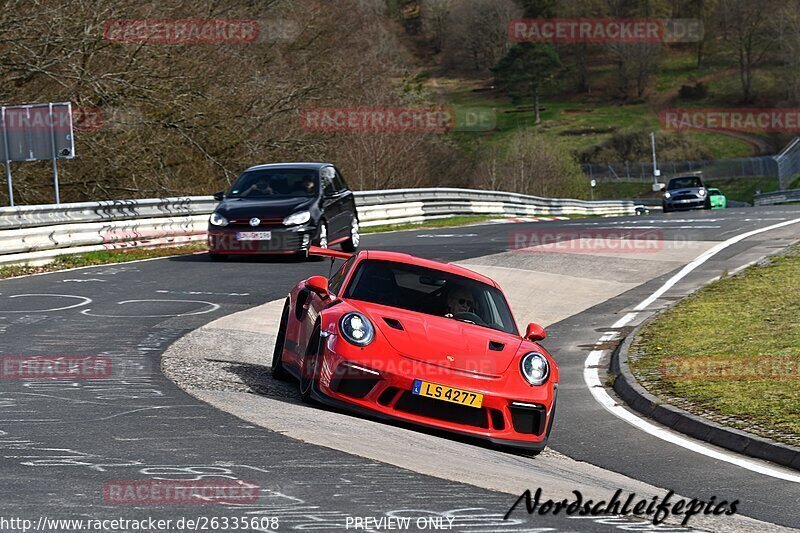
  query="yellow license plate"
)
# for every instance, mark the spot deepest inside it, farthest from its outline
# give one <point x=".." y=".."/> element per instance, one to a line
<point x="448" y="394"/>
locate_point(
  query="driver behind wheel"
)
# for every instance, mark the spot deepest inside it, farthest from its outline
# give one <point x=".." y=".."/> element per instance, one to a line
<point x="460" y="301"/>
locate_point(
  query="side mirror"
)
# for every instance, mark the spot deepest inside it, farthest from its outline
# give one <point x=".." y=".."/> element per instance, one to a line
<point x="535" y="332"/>
<point x="319" y="285"/>
<point x="219" y="196"/>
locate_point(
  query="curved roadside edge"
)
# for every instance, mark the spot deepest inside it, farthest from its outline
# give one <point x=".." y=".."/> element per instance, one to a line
<point x="639" y="399"/>
<point x="247" y="337"/>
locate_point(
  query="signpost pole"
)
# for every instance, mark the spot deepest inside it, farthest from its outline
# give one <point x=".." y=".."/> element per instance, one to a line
<point x="55" y="156"/>
<point x="8" y="158"/>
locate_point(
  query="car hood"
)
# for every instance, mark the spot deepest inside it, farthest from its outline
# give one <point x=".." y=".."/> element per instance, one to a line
<point x="443" y="341"/>
<point x="263" y="208"/>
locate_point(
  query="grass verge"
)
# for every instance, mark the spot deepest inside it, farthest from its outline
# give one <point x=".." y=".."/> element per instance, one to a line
<point x="731" y="351"/>
<point x="101" y="257"/>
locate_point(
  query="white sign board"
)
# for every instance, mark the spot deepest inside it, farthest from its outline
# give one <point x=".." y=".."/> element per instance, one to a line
<point x="37" y="132"/>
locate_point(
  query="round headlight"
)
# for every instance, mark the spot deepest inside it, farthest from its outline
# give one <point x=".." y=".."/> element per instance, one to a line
<point x="702" y="192"/>
<point x="357" y="329"/>
<point x="301" y="217"/>
<point x="218" y="220"/>
<point x="535" y="368"/>
<point x="667" y="195"/>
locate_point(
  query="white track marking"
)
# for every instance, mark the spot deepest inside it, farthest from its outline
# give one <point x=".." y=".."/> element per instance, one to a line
<point x="213" y="307"/>
<point x="85" y="301"/>
<point x="592" y="377"/>
<point x="446" y="235"/>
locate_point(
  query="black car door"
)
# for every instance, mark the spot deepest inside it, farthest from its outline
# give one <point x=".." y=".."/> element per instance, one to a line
<point x="331" y="203"/>
<point x="347" y="203"/>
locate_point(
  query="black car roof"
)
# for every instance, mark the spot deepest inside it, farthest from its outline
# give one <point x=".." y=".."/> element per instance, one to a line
<point x="310" y="166"/>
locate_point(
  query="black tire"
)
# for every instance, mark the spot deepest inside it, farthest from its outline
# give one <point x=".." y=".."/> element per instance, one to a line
<point x="278" y="371"/>
<point x="308" y="371"/>
<point x="707" y="204"/>
<point x="217" y="257"/>
<point x="351" y="244"/>
<point x="664" y="208"/>
<point x="323" y="237"/>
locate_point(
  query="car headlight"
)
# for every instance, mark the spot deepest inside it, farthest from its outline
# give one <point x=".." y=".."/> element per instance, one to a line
<point x="218" y="220"/>
<point x="301" y="217"/>
<point x="535" y="368"/>
<point x="667" y="195"/>
<point x="357" y="329"/>
<point x="702" y="192"/>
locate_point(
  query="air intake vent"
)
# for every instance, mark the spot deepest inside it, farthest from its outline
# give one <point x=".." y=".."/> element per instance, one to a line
<point x="496" y="346"/>
<point x="393" y="323"/>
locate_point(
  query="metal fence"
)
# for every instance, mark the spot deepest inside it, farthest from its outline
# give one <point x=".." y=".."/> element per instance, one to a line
<point x="788" y="162"/>
<point x="783" y="166"/>
<point x="750" y="167"/>
<point x="37" y="234"/>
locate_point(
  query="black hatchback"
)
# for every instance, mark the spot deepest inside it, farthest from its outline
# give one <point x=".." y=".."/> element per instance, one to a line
<point x="284" y="208"/>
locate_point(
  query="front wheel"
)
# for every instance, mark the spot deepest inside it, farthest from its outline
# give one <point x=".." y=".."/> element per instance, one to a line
<point x="278" y="371"/>
<point x="308" y="371"/>
<point x="351" y="244"/>
<point x="322" y="234"/>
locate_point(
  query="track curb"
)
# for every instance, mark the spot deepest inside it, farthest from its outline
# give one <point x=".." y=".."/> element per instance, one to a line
<point x="637" y="397"/>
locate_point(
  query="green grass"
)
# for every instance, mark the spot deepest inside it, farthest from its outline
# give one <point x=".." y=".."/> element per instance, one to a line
<point x="749" y="323"/>
<point x="101" y="257"/>
<point x="574" y="123"/>
<point x="436" y="223"/>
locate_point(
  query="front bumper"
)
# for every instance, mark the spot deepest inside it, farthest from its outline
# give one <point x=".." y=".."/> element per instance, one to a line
<point x="676" y="204"/>
<point x="511" y="416"/>
<point x="282" y="240"/>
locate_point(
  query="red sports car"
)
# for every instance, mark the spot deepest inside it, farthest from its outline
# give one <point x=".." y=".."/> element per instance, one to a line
<point x="400" y="337"/>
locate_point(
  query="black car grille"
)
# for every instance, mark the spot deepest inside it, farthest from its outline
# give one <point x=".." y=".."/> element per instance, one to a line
<point x="244" y="223"/>
<point x="449" y="412"/>
<point x="280" y="241"/>
<point x="352" y="381"/>
<point x="528" y="420"/>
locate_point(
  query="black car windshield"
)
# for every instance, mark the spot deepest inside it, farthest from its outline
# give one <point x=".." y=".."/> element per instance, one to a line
<point x="431" y="291"/>
<point x="684" y="183"/>
<point x="273" y="182"/>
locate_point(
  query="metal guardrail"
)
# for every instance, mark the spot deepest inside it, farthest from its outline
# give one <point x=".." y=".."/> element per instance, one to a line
<point x="37" y="234"/>
<point x="776" y="198"/>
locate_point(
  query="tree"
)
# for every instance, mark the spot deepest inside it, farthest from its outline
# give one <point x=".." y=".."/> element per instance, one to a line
<point x="746" y="29"/>
<point x="527" y="69"/>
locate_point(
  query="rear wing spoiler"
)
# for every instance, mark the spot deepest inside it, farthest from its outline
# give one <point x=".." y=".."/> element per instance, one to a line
<point x="327" y="252"/>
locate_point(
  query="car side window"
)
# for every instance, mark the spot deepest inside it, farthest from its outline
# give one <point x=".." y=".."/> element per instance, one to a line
<point x="338" y="182"/>
<point x="335" y="283"/>
<point x="326" y="177"/>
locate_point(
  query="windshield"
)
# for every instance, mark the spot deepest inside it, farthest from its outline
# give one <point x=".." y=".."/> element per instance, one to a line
<point x="275" y="182"/>
<point x="432" y="292"/>
<point x="684" y="183"/>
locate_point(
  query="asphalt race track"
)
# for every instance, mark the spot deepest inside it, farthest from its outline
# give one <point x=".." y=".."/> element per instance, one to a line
<point x="62" y="441"/>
